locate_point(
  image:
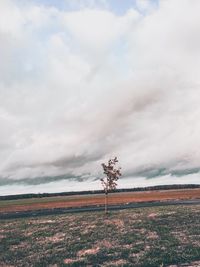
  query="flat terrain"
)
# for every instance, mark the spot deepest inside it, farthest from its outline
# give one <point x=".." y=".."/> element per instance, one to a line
<point x="147" y="237"/>
<point x="95" y="200"/>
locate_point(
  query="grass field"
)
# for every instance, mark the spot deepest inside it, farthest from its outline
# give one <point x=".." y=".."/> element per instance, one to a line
<point x="96" y="199"/>
<point x="147" y="237"/>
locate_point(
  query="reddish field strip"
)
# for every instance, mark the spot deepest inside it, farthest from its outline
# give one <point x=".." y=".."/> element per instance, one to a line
<point x="114" y="198"/>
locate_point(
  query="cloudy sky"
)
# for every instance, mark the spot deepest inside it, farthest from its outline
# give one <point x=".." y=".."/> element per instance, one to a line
<point x="85" y="80"/>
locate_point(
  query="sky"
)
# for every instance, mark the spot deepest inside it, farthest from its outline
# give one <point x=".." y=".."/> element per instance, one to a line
<point x="83" y="81"/>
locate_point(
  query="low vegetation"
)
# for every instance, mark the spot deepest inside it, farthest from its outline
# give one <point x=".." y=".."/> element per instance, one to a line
<point x="148" y="237"/>
<point x="90" y="192"/>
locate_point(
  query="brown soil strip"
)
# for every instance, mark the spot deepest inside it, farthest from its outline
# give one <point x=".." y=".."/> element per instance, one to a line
<point x="114" y="198"/>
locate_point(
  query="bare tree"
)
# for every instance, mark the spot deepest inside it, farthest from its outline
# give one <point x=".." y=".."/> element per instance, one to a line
<point x="110" y="181"/>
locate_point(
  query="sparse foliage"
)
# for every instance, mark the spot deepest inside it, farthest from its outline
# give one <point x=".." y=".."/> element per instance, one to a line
<point x="109" y="182"/>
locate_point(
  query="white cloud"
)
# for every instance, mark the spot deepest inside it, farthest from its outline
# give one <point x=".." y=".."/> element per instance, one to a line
<point x="80" y="86"/>
<point x="98" y="29"/>
<point x="145" y="6"/>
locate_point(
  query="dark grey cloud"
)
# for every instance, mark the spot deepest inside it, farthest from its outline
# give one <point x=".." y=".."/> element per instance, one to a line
<point x="41" y="180"/>
<point x="149" y="173"/>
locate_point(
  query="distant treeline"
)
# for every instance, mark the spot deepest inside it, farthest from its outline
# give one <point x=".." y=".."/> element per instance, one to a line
<point x="136" y="189"/>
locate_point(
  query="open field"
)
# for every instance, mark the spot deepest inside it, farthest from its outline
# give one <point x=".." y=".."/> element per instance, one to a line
<point x="147" y="237"/>
<point x="98" y="199"/>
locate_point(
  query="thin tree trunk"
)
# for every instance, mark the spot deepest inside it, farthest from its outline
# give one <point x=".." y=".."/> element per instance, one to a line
<point x="106" y="202"/>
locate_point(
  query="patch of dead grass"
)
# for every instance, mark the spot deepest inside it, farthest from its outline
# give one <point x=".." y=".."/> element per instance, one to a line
<point x="91" y="251"/>
<point x="22" y="245"/>
<point x="58" y="237"/>
<point x="182" y="237"/>
<point x="88" y="228"/>
<point x="117" y="222"/>
<point x="70" y="261"/>
<point x="191" y="264"/>
<point x="152" y="235"/>
<point x="120" y="262"/>
<point x="105" y="244"/>
<point x="41" y="221"/>
<point x="153" y="215"/>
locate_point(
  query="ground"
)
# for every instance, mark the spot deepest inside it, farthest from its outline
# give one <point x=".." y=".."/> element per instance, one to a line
<point x="96" y="199"/>
<point x="146" y="237"/>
